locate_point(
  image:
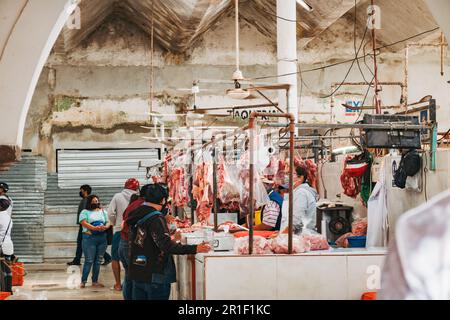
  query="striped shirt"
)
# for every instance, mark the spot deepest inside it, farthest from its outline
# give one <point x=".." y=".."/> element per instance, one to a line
<point x="270" y="214"/>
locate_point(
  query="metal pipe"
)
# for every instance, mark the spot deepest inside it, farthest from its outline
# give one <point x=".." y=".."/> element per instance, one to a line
<point x="405" y="81"/>
<point x="393" y="126"/>
<point x="374" y="44"/>
<point x="442" y="53"/>
<point x="251" y="126"/>
<point x="215" y="188"/>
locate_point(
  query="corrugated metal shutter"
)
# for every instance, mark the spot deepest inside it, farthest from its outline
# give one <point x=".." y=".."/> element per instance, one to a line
<point x="60" y="219"/>
<point x="27" y="181"/>
<point x="102" y="168"/>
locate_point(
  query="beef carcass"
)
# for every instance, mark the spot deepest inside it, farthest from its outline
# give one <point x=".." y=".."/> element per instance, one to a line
<point x="279" y="244"/>
<point x="260" y="246"/>
<point x="202" y="191"/>
<point x="178" y="188"/>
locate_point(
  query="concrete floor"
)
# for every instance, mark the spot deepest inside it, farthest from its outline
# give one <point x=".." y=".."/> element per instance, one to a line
<point x="57" y="282"/>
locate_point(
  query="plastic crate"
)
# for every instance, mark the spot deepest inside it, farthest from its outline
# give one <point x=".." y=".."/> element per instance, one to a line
<point x="357" y="242"/>
<point x="369" y="296"/>
<point x="4" y="295"/>
<point x="18" y="274"/>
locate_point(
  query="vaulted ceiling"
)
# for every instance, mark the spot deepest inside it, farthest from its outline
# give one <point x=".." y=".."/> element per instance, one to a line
<point x="179" y="23"/>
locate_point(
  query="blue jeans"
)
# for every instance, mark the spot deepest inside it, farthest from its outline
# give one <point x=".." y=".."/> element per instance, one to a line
<point x="94" y="247"/>
<point x="150" y="291"/>
<point x="115" y="246"/>
<point x="127" y="286"/>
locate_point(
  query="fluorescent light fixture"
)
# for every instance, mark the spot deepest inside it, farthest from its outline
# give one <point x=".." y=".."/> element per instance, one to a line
<point x="305" y="5"/>
<point x="238" y="94"/>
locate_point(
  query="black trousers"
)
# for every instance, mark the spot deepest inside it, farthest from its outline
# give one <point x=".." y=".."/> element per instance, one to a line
<point x="79" y="252"/>
<point x="5" y="277"/>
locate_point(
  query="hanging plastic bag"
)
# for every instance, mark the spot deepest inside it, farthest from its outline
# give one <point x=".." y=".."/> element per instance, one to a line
<point x="228" y="182"/>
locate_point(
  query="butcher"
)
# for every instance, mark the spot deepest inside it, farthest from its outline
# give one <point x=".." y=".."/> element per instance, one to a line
<point x="271" y="212"/>
<point x="305" y="203"/>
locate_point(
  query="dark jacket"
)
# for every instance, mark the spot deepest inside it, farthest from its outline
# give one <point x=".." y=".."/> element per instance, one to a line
<point x="153" y="241"/>
<point x="81" y="207"/>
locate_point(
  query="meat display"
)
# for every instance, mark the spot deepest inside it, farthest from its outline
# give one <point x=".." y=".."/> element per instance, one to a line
<point x="260" y="246"/>
<point x="182" y="224"/>
<point x="232" y="226"/>
<point x="178" y="187"/>
<point x="316" y="240"/>
<point x="202" y="191"/>
<point x="279" y="244"/>
<point x="359" y="228"/>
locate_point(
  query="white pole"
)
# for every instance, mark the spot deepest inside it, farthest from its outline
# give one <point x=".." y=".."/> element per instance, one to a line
<point x="287" y="54"/>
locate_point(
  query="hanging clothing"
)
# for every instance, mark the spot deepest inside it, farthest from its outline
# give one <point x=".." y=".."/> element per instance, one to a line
<point x="418" y="264"/>
<point x="377" y="213"/>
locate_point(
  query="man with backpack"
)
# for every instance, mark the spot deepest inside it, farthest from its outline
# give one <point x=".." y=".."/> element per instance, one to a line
<point x="152" y="268"/>
<point x="116" y="208"/>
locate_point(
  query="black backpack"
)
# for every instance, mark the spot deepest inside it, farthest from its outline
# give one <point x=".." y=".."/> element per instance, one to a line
<point x="410" y="164"/>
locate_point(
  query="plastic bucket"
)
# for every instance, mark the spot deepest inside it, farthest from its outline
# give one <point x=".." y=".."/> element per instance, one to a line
<point x="357" y="242"/>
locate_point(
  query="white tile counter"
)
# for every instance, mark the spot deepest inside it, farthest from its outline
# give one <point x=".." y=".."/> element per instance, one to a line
<point x="327" y="274"/>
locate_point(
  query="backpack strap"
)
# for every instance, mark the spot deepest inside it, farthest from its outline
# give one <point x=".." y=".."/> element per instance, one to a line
<point x="147" y="217"/>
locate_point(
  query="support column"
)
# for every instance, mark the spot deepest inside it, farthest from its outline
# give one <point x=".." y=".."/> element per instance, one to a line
<point x="27" y="35"/>
<point x="287" y="54"/>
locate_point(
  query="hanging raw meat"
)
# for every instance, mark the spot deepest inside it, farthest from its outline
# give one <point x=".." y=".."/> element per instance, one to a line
<point x="227" y="183"/>
<point x="280" y="176"/>
<point x="271" y="170"/>
<point x="202" y="191"/>
<point x="311" y="170"/>
<point x="260" y="196"/>
<point x="178" y="188"/>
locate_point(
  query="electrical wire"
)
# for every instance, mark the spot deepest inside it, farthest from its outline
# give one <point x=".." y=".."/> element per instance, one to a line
<point x="349" y="70"/>
<point x="349" y="60"/>
<point x="354" y="43"/>
<point x="278" y="17"/>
